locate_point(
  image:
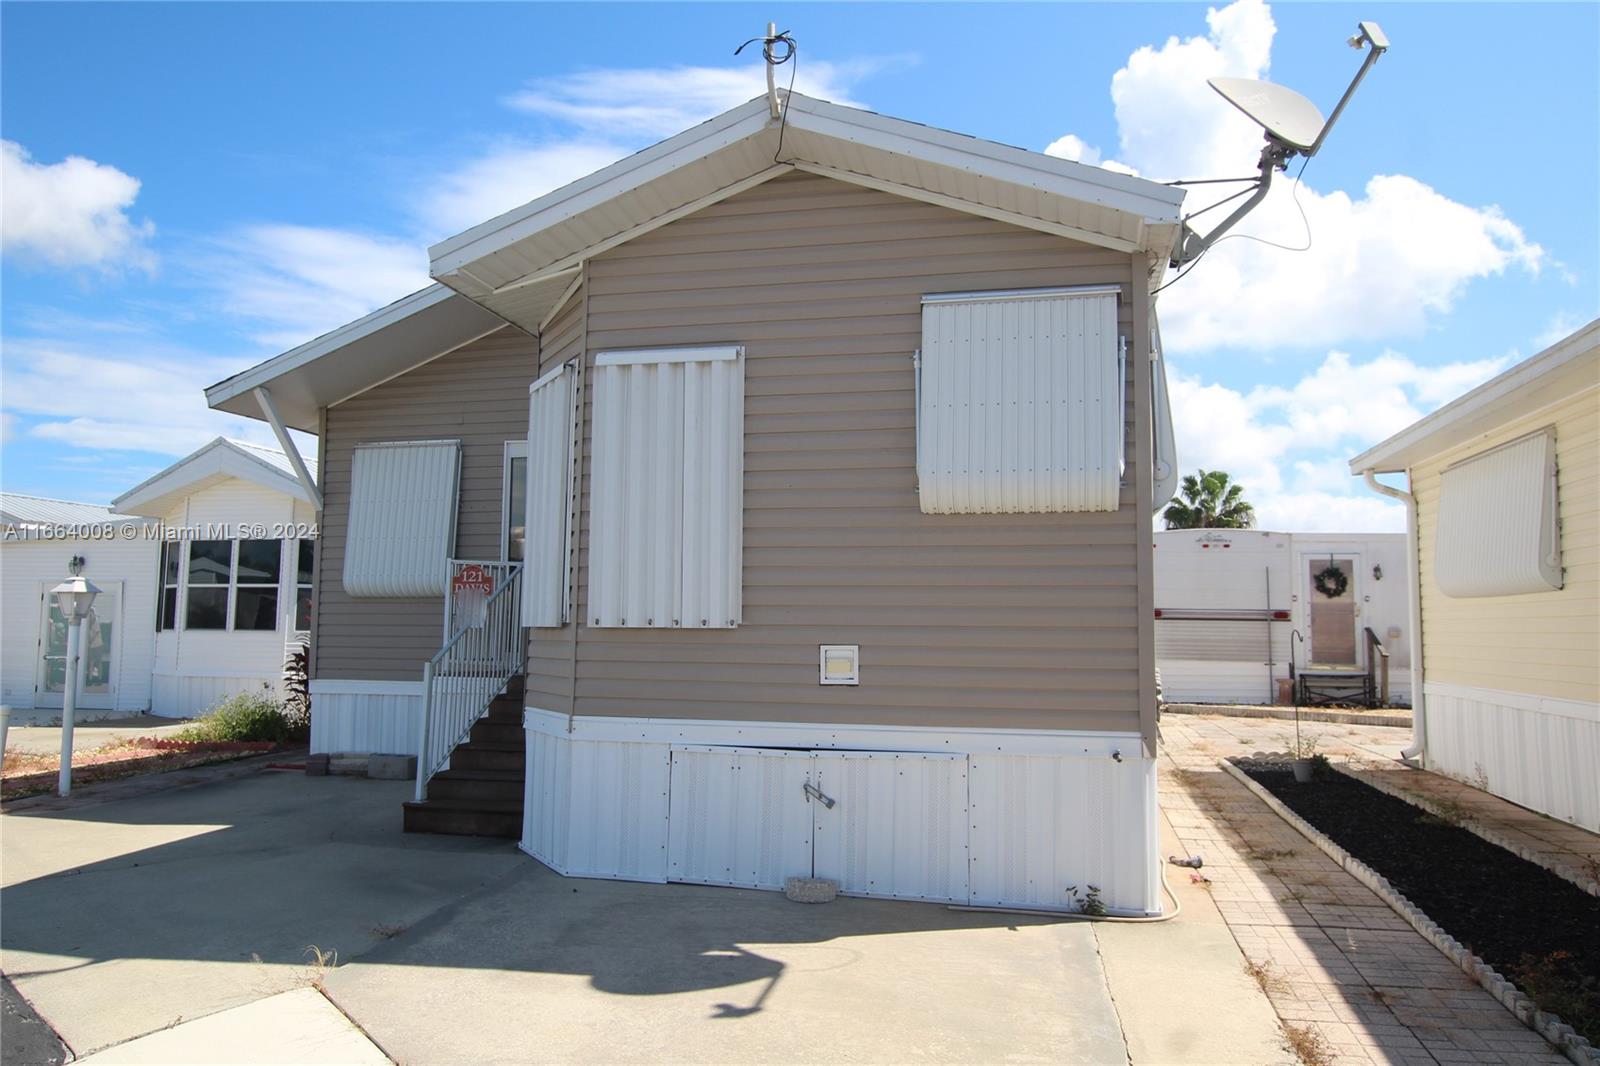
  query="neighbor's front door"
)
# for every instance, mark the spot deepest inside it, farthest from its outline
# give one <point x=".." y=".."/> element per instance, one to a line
<point x="1333" y="623"/>
<point x="99" y="657"/>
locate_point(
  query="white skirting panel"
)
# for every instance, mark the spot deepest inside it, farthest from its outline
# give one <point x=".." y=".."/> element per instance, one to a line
<point x="1538" y="752"/>
<point x="365" y="716"/>
<point x="1007" y="818"/>
<point x="187" y="696"/>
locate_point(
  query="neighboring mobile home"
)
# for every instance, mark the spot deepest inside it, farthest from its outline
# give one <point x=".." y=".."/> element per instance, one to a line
<point x="205" y="579"/>
<point x="837" y="439"/>
<point x="1234" y="606"/>
<point x="1504" y="516"/>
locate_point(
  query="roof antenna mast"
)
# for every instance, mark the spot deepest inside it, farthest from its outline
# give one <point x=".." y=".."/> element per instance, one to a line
<point x="774" y="60"/>
<point x="1293" y="127"/>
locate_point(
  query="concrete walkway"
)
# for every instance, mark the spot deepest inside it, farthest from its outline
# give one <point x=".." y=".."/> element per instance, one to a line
<point x="45" y="739"/>
<point x="1345" y="973"/>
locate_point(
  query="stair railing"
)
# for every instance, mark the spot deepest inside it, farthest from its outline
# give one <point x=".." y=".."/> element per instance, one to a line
<point x="1377" y="667"/>
<point x="463" y="677"/>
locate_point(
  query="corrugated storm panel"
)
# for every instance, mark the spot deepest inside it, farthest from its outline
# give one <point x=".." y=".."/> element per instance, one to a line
<point x="402" y="518"/>
<point x="1497" y="530"/>
<point x="667" y="485"/>
<point x="1020" y="408"/>
<point x="898" y="827"/>
<point x="739" y="817"/>
<point x="549" y="498"/>
<point x="619" y="811"/>
<point x="547" y="807"/>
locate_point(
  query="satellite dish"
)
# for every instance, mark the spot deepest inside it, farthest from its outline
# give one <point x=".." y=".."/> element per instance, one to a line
<point x="1283" y="113"/>
<point x="1294" y="127"/>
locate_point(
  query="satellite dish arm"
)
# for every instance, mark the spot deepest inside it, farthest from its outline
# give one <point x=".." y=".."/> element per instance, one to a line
<point x="1368" y="33"/>
<point x="1191" y="245"/>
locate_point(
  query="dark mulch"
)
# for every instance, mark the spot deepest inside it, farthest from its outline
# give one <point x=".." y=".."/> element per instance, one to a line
<point x="1513" y="914"/>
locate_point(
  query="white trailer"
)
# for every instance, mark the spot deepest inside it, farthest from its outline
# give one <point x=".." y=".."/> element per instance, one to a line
<point x="1233" y="606"/>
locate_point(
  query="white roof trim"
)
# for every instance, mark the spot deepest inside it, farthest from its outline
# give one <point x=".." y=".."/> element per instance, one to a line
<point x="1513" y="394"/>
<point x="222" y="458"/>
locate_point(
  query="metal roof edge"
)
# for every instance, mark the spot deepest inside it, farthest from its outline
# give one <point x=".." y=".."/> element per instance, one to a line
<point x="1380" y="458"/>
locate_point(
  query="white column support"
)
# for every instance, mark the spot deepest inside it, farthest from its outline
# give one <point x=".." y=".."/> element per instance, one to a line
<point x="269" y="410"/>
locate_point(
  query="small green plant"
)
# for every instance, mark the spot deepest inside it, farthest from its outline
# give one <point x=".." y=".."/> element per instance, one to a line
<point x="247" y="716"/>
<point x="297" y="685"/>
<point x="1304" y="746"/>
<point x="1088" y="902"/>
<point x="1559" y="986"/>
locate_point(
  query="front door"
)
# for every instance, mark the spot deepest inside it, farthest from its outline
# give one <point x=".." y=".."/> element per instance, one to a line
<point x="1333" y="609"/>
<point x="98" y="661"/>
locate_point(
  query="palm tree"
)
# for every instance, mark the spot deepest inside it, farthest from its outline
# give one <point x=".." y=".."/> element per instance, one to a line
<point x="1209" y="501"/>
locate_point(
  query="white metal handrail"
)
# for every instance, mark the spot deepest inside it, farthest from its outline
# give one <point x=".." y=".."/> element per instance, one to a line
<point x="465" y="675"/>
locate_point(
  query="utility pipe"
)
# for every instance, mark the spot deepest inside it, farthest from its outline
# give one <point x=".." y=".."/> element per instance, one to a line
<point x="1415" y="754"/>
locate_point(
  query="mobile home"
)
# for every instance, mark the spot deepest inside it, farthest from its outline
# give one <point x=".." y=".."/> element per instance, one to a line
<point x="1238" y="610"/>
<point x="818" y="454"/>
<point x="1503" y="510"/>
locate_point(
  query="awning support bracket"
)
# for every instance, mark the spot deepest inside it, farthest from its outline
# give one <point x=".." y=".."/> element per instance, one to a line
<point x="269" y="411"/>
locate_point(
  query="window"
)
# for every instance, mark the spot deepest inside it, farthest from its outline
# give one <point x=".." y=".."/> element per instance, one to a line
<point x="1498" y="530"/>
<point x="210" y="574"/>
<point x="666" y="544"/>
<point x="305" y="567"/>
<point x="547" y="497"/>
<point x="402" y="518"/>
<point x="1020" y="402"/>
<point x="167" y="605"/>
<point x="255" y="597"/>
<point x="514" y="502"/>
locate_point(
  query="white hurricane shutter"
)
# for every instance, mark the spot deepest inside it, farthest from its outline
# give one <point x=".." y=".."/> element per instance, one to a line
<point x="402" y="518"/>
<point x="666" y="542"/>
<point x="1498" y="532"/>
<point x="1020" y="403"/>
<point x="550" y="431"/>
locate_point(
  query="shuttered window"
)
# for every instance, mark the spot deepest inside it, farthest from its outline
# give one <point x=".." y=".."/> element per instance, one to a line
<point x="666" y="543"/>
<point x="1020" y="402"/>
<point x="548" y="498"/>
<point x="1498" y="532"/>
<point x="402" y="518"/>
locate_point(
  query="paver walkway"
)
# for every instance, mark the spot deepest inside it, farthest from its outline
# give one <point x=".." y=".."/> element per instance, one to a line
<point x="1339" y="966"/>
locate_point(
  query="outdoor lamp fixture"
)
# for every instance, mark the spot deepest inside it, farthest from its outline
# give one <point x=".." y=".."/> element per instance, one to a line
<point x="1377" y="573"/>
<point x="74" y="597"/>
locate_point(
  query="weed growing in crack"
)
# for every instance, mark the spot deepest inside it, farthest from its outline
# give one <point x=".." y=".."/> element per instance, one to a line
<point x="1308" y="1045"/>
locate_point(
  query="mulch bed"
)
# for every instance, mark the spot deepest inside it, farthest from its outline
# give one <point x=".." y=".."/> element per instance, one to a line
<point x="27" y="775"/>
<point x="1538" y="929"/>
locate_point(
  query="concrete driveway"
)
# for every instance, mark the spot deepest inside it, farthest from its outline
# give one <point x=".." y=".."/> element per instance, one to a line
<point x="125" y="917"/>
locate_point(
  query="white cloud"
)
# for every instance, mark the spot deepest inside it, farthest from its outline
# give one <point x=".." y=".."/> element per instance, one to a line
<point x="1382" y="262"/>
<point x="293" y="283"/>
<point x="1072" y="147"/>
<point x="134" y="395"/>
<point x="70" y="214"/>
<point x="659" y="102"/>
<point x="1288" y="446"/>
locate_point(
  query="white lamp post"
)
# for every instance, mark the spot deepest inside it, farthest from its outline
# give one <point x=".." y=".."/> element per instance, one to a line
<point x="74" y="597"/>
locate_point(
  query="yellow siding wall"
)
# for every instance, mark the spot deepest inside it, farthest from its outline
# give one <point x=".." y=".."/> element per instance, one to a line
<point x="1541" y="644"/>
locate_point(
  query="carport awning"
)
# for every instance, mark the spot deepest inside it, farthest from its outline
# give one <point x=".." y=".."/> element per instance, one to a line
<point x="514" y="264"/>
<point x="357" y="356"/>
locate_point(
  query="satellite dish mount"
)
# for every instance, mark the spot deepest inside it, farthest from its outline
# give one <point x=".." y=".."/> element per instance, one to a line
<point x="1293" y="127"/>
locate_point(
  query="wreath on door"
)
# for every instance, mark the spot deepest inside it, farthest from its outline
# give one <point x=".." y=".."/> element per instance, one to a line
<point x="1331" y="581"/>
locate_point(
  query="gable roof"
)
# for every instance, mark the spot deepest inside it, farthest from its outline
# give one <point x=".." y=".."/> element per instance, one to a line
<point x="519" y="267"/>
<point x="1565" y="368"/>
<point x="217" y="461"/>
<point x="19" y="510"/>
<point x="519" y="264"/>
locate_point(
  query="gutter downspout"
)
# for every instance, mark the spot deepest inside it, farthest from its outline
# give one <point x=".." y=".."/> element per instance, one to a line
<point x="1416" y="753"/>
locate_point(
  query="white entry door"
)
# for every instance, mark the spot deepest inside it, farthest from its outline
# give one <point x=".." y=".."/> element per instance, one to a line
<point x="1333" y="622"/>
<point x="99" y="660"/>
<point x="881" y="823"/>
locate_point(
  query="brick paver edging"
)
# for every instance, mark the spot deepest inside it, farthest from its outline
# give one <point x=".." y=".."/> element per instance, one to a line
<point x="1401" y="719"/>
<point x="1375" y="779"/>
<point x="1559" y="1034"/>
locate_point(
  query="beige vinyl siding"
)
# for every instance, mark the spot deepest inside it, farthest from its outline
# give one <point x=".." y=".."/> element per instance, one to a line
<point x="1009" y="621"/>
<point x="477" y="394"/>
<point x="1543" y="643"/>
<point x="549" y="680"/>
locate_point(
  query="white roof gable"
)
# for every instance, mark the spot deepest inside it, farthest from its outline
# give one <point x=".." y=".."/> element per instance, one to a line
<point x="519" y="264"/>
<point x="216" y="462"/>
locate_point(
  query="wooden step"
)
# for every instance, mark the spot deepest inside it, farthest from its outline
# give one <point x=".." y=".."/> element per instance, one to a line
<point x="504" y="786"/>
<point x="477" y="818"/>
<point x="487" y="731"/>
<point x="475" y="756"/>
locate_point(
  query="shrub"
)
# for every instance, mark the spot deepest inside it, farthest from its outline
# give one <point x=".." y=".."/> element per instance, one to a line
<point x="246" y="716"/>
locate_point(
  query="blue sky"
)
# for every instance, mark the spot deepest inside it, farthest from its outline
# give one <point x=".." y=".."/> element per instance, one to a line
<point x="192" y="188"/>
